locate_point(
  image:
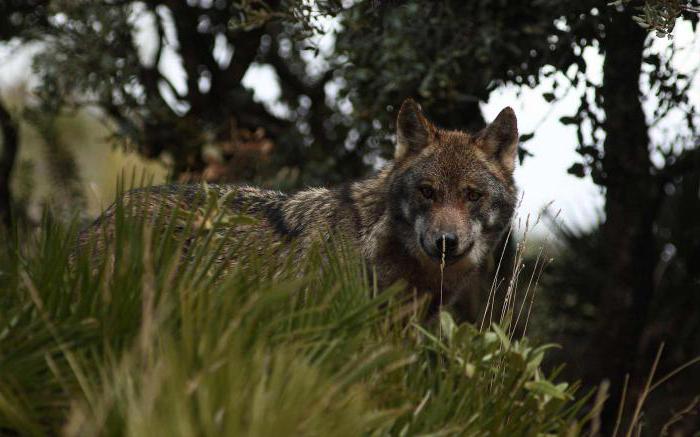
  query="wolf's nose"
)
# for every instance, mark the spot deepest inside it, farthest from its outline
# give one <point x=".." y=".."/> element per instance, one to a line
<point x="450" y="243"/>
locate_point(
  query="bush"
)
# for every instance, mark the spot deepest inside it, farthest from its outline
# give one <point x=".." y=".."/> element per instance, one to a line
<point x="145" y="341"/>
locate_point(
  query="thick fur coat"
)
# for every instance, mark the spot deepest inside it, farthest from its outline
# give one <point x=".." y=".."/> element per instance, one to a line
<point x="447" y="195"/>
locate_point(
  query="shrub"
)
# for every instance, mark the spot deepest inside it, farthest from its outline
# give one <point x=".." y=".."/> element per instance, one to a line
<point x="146" y="341"/>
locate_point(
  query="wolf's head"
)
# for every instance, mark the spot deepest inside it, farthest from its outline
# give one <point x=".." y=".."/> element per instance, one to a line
<point x="450" y="190"/>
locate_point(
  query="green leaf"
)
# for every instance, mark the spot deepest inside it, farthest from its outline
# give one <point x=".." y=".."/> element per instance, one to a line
<point x="577" y="169"/>
<point x="526" y="137"/>
<point x="547" y="388"/>
<point x="502" y="336"/>
<point x="568" y="120"/>
<point x="448" y="325"/>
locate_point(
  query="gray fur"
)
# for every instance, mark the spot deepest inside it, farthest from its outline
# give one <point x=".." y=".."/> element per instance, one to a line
<point x="385" y="217"/>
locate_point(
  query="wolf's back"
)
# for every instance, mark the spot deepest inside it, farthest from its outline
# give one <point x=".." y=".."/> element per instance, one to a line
<point x="160" y="206"/>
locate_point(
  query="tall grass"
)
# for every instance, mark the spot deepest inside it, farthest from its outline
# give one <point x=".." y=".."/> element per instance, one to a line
<point x="148" y="340"/>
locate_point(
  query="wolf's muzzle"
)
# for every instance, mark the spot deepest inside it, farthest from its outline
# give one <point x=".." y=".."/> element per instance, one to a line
<point x="451" y="246"/>
<point x="447" y="243"/>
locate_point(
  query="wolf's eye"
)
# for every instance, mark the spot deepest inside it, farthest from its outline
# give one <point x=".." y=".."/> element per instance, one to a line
<point x="472" y="195"/>
<point x="427" y="191"/>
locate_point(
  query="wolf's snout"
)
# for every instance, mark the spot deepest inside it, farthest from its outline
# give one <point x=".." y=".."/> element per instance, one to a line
<point x="449" y="244"/>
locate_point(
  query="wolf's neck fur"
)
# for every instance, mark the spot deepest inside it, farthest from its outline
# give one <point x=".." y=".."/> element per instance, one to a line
<point x="356" y="211"/>
<point x="369" y="201"/>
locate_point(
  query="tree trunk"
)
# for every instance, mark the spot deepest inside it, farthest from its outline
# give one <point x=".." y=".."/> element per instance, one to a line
<point x="630" y="208"/>
<point x="10" y="141"/>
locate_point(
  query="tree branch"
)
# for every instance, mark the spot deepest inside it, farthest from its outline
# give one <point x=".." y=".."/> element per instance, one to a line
<point x="686" y="162"/>
<point x="10" y="135"/>
<point x="247" y="44"/>
<point x="171" y="87"/>
<point x="253" y="114"/>
<point x="185" y="21"/>
<point x="161" y="35"/>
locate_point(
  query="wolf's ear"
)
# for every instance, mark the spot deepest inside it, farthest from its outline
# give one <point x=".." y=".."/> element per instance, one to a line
<point x="500" y="139"/>
<point x="413" y="130"/>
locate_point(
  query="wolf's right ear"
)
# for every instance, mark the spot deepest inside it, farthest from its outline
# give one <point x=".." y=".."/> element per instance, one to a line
<point x="500" y="139"/>
<point x="413" y="130"/>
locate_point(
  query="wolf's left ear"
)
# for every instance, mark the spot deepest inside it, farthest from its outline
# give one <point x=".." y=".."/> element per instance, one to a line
<point x="413" y="130"/>
<point x="500" y="138"/>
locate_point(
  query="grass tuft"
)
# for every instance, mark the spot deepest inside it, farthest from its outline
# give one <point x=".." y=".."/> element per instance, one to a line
<point x="146" y="339"/>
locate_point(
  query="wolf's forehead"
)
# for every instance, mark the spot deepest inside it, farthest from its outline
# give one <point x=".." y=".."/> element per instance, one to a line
<point x="461" y="155"/>
<point x="456" y="145"/>
<point x="454" y="137"/>
<point x="454" y="166"/>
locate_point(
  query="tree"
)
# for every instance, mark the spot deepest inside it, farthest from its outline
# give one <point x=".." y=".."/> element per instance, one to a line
<point x="18" y="18"/>
<point x="207" y="127"/>
<point x="10" y="145"/>
<point x="451" y="55"/>
<point x="458" y="51"/>
<point x="617" y="152"/>
<point x="661" y="15"/>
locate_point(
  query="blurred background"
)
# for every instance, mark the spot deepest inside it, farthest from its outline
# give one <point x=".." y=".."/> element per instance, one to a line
<point x="288" y="94"/>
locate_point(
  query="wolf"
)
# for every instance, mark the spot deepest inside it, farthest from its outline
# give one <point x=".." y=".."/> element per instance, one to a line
<point x="429" y="218"/>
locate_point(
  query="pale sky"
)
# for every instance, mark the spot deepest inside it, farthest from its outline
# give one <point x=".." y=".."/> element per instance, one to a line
<point x="542" y="178"/>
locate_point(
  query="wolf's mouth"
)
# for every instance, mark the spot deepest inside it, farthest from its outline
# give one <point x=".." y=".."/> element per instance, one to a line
<point x="450" y="258"/>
